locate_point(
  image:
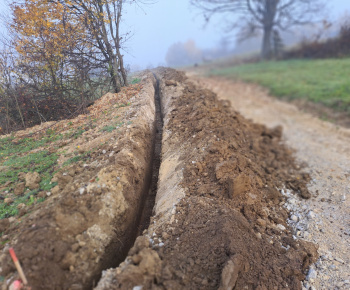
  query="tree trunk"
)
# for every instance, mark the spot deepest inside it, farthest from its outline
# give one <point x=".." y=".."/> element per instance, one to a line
<point x="115" y="78"/>
<point x="266" y="45"/>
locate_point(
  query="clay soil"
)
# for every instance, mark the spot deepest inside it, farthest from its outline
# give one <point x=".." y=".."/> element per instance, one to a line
<point x="229" y="230"/>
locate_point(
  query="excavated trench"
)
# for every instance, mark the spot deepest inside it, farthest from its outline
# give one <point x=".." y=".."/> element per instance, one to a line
<point x="150" y="196"/>
<point x="207" y="180"/>
<point x="99" y="207"/>
<point x="218" y="220"/>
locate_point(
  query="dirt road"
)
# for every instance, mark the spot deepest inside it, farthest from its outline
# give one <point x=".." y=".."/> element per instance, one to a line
<point x="323" y="150"/>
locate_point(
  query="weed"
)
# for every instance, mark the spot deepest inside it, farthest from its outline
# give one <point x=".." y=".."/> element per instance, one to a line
<point x="135" y="81"/>
<point x="8" y="210"/>
<point x="110" y="128"/>
<point x="77" y="158"/>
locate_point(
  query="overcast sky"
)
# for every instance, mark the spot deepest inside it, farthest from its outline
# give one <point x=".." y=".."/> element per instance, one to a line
<point x="158" y="26"/>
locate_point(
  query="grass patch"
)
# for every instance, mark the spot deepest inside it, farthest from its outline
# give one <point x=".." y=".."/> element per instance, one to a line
<point x="16" y="157"/>
<point x="8" y="210"/>
<point x="111" y="128"/>
<point x="135" y="81"/>
<point x="321" y="81"/>
<point x="9" y="146"/>
<point x="75" y="159"/>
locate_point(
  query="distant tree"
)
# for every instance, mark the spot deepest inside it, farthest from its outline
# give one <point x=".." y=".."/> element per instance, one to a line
<point x="183" y="53"/>
<point x="263" y="15"/>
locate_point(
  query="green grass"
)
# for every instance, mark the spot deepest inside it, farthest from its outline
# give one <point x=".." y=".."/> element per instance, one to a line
<point x="78" y="157"/>
<point x="16" y="157"/>
<point x="135" y="81"/>
<point x="321" y="81"/>
<point x="8" y="210"/>
<point x="111" y="128"/>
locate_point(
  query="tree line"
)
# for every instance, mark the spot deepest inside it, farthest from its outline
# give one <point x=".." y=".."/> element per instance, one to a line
<point x="59" y="56"/>
<point x="62" y="54"/>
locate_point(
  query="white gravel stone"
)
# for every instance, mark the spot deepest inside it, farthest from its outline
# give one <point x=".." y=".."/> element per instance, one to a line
<point x="311" y="215"/>
<point x="281" y="227"/>
<point x="312" y="274"/>
<point x="294" y="218"/>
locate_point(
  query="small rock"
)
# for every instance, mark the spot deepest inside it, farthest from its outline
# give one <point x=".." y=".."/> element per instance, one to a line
<point x="333" y="267"/>
<point x="21" y="205"/>
<point x="55" y="190"/>
<point x="32" y="180"/>
<point x="21" y="176"/>
<point x="258" y="235"/>
<point x="82" y="244"/>
<point x="311" y="215"/>
<point x="48" y="193"/>
<point x="8" y="200"/>
<point x="312" y="274"/>
<point x="306" y="235"/>
<point x="294" y="218"/>
<point x="165" y="235"/>
<point x="41" y="194"/>
<point x="104" y="151"/>
<point x="19" y="189"/>
<point x="339" y="260"/>
<point x="4" y="225"/>
<point x="261" y="223"/>
<point x="81" y="190"/>
<point x="170" y="83"/>
<point x="281" y="227"/>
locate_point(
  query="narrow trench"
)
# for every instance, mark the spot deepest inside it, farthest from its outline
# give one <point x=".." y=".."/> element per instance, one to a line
<point x="149" y="202"/>
<point x="112" y="257"/>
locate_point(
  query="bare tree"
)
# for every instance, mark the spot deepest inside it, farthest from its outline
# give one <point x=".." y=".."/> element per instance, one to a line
<point x="103" y="19"/>
<point x="263" y="15"/>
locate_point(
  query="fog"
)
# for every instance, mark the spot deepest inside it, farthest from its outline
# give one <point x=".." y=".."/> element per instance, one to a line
<point x="174" y="23"/>
<point x="170" y="23"/>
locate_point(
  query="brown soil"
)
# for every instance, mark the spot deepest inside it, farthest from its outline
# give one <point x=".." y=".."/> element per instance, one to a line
<point x="229" y="230"/>
<point x="323" y="148"/>
<point x="89" y="221"/>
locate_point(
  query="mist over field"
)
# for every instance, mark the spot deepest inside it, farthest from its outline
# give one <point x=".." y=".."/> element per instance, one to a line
<point x="159" y="30"/>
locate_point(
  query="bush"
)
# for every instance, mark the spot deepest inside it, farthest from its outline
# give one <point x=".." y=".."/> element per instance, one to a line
<point x="334" y="47"/>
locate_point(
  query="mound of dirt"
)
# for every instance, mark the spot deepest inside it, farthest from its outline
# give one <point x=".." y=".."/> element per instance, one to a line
<point x="220" y="221"/>
<point x="90" y="219"/>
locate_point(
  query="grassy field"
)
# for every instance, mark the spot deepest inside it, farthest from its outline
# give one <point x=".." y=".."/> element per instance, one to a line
<point x="322" y="81"/>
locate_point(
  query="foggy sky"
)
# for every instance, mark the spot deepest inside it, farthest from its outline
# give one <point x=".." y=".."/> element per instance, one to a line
<point x="156" y="27"/>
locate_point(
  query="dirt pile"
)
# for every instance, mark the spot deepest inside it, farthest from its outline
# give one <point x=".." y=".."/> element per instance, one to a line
<point x="89" y="221"/>
<point x="219" y="217"/>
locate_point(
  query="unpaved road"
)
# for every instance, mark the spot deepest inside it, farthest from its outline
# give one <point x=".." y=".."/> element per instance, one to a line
<point x="323" y="149"/>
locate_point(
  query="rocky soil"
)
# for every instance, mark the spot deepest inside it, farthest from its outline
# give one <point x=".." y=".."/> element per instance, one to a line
<point x="89" y="220"/>
<point x="231" y="206"/>
<point x="323" y="150"/>
<point x="219" y="218"/>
